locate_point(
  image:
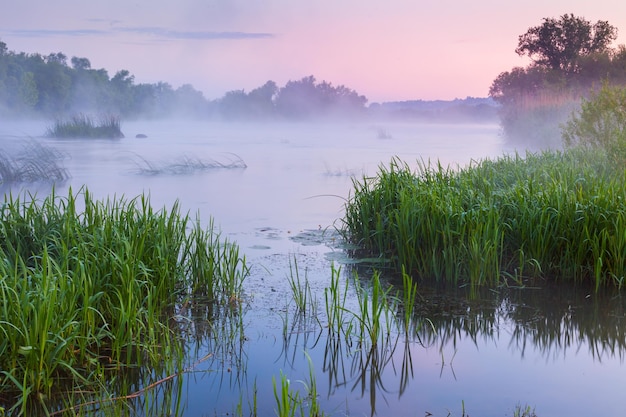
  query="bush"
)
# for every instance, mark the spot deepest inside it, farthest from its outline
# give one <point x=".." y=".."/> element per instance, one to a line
<point x="600" y="123"/>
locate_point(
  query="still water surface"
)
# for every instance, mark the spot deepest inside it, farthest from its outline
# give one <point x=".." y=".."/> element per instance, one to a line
<point x="558" y="351"/>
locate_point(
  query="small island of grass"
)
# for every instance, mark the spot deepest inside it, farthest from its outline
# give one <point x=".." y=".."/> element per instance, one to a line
<point x="83" y="126"/>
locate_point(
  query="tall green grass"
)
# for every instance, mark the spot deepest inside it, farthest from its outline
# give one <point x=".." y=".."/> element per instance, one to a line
<point x="554" y="215"/>
<point x="88" y="289"/>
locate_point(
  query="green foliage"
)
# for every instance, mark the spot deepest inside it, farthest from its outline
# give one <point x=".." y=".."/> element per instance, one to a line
<point x="558" y="44"/>
<point x="571" y="57"/>
<point x="83" y="126"/>
<point x="555" y="215"/>
<point x="46" y="85"/>
<point x="87" y="295"/>
<point x="600" y="123"/>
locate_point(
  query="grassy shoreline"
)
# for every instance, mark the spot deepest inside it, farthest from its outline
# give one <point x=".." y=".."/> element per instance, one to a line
<point x="555" y="215"/>
<point x="89" y="291"/>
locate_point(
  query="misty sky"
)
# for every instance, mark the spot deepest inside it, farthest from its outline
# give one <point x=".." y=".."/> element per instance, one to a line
<point x="384" y="49"/>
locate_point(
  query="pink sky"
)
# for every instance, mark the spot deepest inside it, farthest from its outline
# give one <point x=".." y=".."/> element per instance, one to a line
<point x="385" y="50"/>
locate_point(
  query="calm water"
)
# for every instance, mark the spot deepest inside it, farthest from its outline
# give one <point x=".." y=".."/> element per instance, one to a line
<point x="558" y="351"/>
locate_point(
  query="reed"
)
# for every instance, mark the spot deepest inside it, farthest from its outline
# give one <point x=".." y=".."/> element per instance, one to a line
<point x="554" y="215"/>
<point x="34" y="162"/>
<point x="301" y="292"/>
<point x="83" y="126"/>
<point x="335" y="301"/>
<point x="376" y="311"/>
<point x="89" y="287"/>
<point x="186" y="165"/>
<point x="409" y="299"/>
<point x="291" y="402"/>
<point x="288" y="402"/>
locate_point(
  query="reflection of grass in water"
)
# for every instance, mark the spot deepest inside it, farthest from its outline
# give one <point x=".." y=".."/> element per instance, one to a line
<point x="186" y="165"/>
<point x="34" y="162"/>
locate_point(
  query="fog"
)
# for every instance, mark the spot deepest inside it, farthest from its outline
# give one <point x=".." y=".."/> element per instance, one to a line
<point x="278" y="190"/>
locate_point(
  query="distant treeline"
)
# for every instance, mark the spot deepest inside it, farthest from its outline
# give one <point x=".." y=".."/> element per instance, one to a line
<point x="35" y="85"/>
<point x="470" y="109"/>
<point x="38" y="85"/>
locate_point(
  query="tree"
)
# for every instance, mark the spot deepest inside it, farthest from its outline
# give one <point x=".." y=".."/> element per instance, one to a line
<point x="80" y="63"/>
<point x="600" y="123"/>
<point x="307" y="98"/>
<point x="558" y="44"/>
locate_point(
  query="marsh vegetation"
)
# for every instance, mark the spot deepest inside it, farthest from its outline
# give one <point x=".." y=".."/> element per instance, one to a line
<point x="32" y="162"/>
<point x="85" y="127"/>
<point x="92" y="294"/>
<point x="311" y="330"/>
<point x="552" y="215"/>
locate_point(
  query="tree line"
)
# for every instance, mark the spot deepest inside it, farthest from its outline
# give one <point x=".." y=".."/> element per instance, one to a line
<point x="571" y="59"/>
<point x="47" y="85"/>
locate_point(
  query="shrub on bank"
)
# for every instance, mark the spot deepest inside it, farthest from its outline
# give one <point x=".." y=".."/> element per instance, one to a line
<point x="600" y="124"/>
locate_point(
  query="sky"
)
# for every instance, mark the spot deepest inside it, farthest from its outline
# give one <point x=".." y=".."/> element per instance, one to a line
<point x="387" y="50"/>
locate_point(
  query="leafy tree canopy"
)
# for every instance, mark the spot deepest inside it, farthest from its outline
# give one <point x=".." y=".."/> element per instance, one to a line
<point x="559" y="43"/>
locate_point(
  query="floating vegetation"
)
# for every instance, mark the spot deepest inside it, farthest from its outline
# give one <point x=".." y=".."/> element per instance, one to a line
<point x="89" y="299"/>
<point x="34" y="162"/>
<point x="83" y="126"/>
<point x="552" y="215"/>
<point x="187" y="165"/>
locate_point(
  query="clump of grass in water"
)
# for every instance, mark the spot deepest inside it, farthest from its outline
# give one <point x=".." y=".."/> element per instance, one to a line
<point x="83" y="126"/>
<point x="187" y="165"/>
<point x="87" y="294"/>
<point x="34" y="162"/>
<point x="289" y="400"/>
<point x="301" y="292"/>
<point x="558" y="215"/>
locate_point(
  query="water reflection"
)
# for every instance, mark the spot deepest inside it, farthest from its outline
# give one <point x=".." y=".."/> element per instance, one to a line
<point x="553" y="321"/>
<point x="548" y="323"/>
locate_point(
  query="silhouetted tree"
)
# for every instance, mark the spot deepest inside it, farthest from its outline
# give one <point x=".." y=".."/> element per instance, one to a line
<point x="80" y="64"/>
<point x="571" y="57"/>
<point x="558" y="44"/>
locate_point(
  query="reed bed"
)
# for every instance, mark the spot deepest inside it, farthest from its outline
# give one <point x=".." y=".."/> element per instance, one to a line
<point x="554" y="215"/>
<point x="34" y="162"/>
<point x="84" y="126"/>
<point x="88" y="290"/>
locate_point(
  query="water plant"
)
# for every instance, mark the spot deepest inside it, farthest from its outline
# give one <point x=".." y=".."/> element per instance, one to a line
<point x="34" y="162"/>
<point x="302" y="295"/>
<point x="553" y="215"/>
<point x="84" y="126"/>
<point x="89" y="288"/>
<point x="186" y="165"/>
<point x="335" y="300"/>
<point x="290" y="401"/>
<point x="376" y="310"/>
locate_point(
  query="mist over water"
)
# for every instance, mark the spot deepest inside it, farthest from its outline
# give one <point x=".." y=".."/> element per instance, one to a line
<point x="296" y="174"/>
<point x="266" y="186"/>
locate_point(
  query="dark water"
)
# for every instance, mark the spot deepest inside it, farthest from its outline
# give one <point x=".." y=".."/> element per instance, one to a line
<point x="560" y="352"/>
